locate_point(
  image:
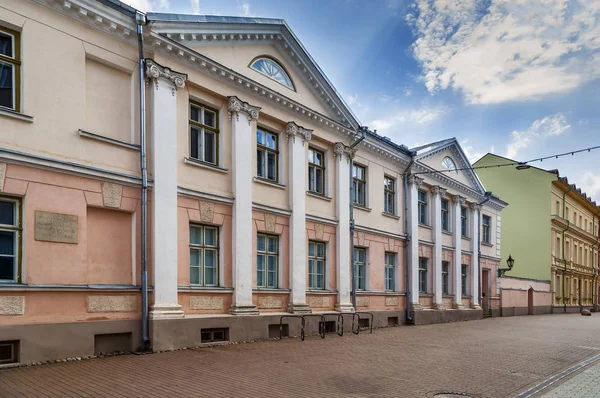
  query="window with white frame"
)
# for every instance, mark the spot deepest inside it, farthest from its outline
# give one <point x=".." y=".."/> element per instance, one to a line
<point x="423" y="272"/>
<point x="10" y="69"/>
<point x="389" y="193"/>
<point x="464" y="279"/>
<point x="267" y="155"/>
<point x="267" y="261"/>
<point x="316" y="265"/>
<point x="486" y="229"/>
<point x="360" y="268"/>
<point x="10" y="231"/>
<point x="316" y="171"/>
<point x="204" y="255"/>
<point x="445" y="216"/>
<point x="390" y="272"/>
<point x="204" y="134"/>
<point x="359" y="180"/>
<point x="464" y="222"/>
<point x="445" y="277"/>
<point x="423" y="208"/>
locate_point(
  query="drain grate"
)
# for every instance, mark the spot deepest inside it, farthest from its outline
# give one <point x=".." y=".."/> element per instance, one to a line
<point x="451" y="394"/>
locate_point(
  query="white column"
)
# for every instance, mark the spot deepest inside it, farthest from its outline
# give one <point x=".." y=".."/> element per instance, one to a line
<point x="458" y="202"/>
<point x="413" y="196"/>
<point x="243" y="133"/>
<point x="165" y="83"/>
<point x="297" y="136"/>
<point x="343" y="155"/>
<point x="475" y="268"/>
<point x="437" y="193"/>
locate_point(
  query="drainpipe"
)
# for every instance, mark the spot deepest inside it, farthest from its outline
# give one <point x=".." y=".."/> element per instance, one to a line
<point x="408" y="236"/>
<point x="564" y="260"/>
<point x="141" y="20"/>
<point x="487" y="197"/>
<point x="594" y="289"/>
<point x="363" y="131"/>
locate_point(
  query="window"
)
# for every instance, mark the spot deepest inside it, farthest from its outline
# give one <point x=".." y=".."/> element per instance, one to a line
<point x="487" y="221"/>
<point x="580" y="222"/>
<point x="423" y="265"/>
<point x="585" y="257"/>
<point x="566" y="215"/>
<point x="360" y="268"/>
<point x="359" y="176"/>
<point x="267" y="153"/>
<point x="557" y="249"/>
<point x="214" y="335"/>
<point x="586" y="227"/>
<point x="10" y="69"/>
<point x="204" y="134"/>
<point x="445" y="278"/>
<point x="204" y="255"/>
<point x="272" y="70"/>
<point x="449" y="164"/>
<point x="316" y="171"/>
<point x="389" y="193"/>
<point x="10" y="229"/>
<point x="556" y="208"/>
<point x="423" y="210"/>
<point x="9" y="352"/>
<point x="445" y="216"/>
<point x="464" y="222"/>
<point x="267" y="261"/>
<point x="464" y="269"/>
<point x="316" y="265"/>
<point x="390" y="272"/>
<point x="567" y="251"/>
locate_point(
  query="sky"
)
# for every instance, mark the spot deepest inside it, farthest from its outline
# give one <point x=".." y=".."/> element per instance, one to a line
<point x="518" y="78"/>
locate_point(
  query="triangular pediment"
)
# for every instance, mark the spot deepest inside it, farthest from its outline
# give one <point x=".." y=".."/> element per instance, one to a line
<point x="236" y="42"/>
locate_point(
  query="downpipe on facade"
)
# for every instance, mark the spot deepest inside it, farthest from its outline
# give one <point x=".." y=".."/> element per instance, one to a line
<point x="363" y="130"/>
<point x="597" y="244"/>
<point x="564" y="260"/>
<point x="408" y="236"/>
<point x="487" y="197"/>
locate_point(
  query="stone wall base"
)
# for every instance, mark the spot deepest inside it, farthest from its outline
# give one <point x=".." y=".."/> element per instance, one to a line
<point x="518" y="311"/>
<point x="571" y="309"/>
<point x="427" y="316"/>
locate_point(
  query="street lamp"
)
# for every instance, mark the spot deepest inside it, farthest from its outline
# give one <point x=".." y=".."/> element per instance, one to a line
<point x="510" y="262"/>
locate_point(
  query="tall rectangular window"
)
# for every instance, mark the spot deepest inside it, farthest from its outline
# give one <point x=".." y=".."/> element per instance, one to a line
<point x="267" y="154"/>
<point x="316" y="265"/>
<point x="580" y="222"/>
<point x="464" y="279"/>
<point x="10" y="230"/>
<point x="316" y="171"/>
<point x="423" y="208"/>
<point x="486" y="230"/>
<point x="557" y="208"/>
<point x="360" y="268"/>
<point x="204" y="134"/>
<point x="566" y="215"/>
<point x="464" y="222"/>
<point x="204" y="255"/>
<point x="267" y="261"/>
<point x="557" y="250"/>
<point x="390" y="272"/>
<point x="445" y="277"/>
<point x="10" y="69"/>
<point x="445" y="216"/>
<point x="389" y="193"/>
<point x="359" y="179"/>
<point x="586" y="227"/>
<point x="423" y="271"/>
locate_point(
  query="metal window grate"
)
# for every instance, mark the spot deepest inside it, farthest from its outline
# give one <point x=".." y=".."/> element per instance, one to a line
<point x="214" y="335"/>
<point x="9" y="352"/>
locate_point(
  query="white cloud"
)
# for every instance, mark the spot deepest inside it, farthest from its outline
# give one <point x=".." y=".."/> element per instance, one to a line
<point x="417" y="116"/>
<point x="407" y="92"/>
<point x="540" y="129"/>
<point x="352" y="99"/>
<point x="591" y="185"/>
<point x="509" y="50"/>
<point x="471" y="153"/>
<point x="245" y="8"/>
<point x="195" y="5"/>
<point x="149" y="5"/>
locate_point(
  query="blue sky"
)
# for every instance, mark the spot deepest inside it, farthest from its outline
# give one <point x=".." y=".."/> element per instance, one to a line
<point x="518" y="78"/>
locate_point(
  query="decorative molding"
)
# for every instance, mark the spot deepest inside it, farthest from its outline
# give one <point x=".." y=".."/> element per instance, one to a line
<point x="16" y="115"/>
<point x="204" y="195"/>
<point x="108" y="140"/>
<point x="459" y="199"/>
<point x="111" y="303"/>
<point x="363" y="301"/>
<point x="111" y="194"/>
<point x="319" y="231"/>
<point x="340" y="150"/>
<point x="270" y="222"/>
<point x="2" y="176"/>
<point x="413" y="179"/>
<point x="276" y="210"/>
<point x="156" y="71"/>
<point x="206" y="303"/>
<point x="392" y="301"/>
<point x="12" y="305"/>
<point x="292" y="130"/>
<point x="270" y="302"/>
<point x="437" y="190"/>
<point x="236" y="106"/>
<point x="207" y="211"/>
<point x="361" y="238"/>
<point x="475" y="207"/>
<point x="56" y="227"/>
<point x="319" y="301"/>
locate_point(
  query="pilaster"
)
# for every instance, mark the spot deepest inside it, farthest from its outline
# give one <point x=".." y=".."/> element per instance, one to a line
<point x="437" y="193"/>
<point x="242" y="115"/>
<point x="297" y="136"/>
<point x="343" y="156"/>
<point x="414" y="183"/>
<point x="165" y="83"/>
<point x="475" y="266"/>
<point x="458" y="202"/>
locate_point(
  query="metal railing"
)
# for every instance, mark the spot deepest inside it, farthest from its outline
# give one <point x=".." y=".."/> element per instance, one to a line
<point x="339" y="323"/>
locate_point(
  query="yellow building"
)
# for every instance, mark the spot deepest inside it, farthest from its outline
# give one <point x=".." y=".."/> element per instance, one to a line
<point x="575" y="220"/>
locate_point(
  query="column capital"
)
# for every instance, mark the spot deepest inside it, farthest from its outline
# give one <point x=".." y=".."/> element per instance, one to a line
<point x="437" y="190"/>
<point x="413" y="179"/>
<point x="293" y="130"/>
<point x="236" y="106"/>
<point x="156" y="71"/>
<point x="459" y="200"/>
<point x="340" y="150"/>
<point x="475" y="207"/>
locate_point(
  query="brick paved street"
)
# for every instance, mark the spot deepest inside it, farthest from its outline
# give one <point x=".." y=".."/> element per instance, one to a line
<point x="584" y="384"/>
<point x="496" y="357"/>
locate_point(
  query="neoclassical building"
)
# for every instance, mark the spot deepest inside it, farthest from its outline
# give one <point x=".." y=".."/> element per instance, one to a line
<point x="221" y="182"/>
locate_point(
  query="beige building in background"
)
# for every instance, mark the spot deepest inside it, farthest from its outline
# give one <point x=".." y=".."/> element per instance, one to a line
<point x="249" y="164"/>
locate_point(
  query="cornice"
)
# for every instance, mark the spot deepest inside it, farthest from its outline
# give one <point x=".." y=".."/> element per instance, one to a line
<point x="572" y="229"/>
<point x="451" y="183"/>
<point x="293" y="130"/>
<point x="343" y="151"/>
<point x="156" y="71"/>
<point x="238" y="106"/>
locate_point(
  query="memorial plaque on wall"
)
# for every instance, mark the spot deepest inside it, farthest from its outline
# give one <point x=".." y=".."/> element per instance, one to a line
<point x="56" y="227"/>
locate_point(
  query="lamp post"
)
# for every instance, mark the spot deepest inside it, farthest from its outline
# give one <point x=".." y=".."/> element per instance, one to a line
<point x="510" y="262"/>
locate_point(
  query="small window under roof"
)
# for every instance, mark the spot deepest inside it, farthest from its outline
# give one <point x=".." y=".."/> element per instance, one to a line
<point x="272" y="70"/>
<point x="449" y="164"/>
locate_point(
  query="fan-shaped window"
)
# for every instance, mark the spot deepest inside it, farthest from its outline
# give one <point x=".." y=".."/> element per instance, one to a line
<point x="273" y="70"/>
<point x="449" y="164"/>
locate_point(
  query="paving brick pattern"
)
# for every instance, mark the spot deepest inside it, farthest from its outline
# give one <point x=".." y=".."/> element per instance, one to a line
<point x="496" y="357"/>
<point x="584" y="384"/>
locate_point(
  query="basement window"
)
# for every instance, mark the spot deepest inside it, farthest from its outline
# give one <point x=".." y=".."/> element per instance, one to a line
<point x="9" y="352"/>
<point x="214" y="335"/>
